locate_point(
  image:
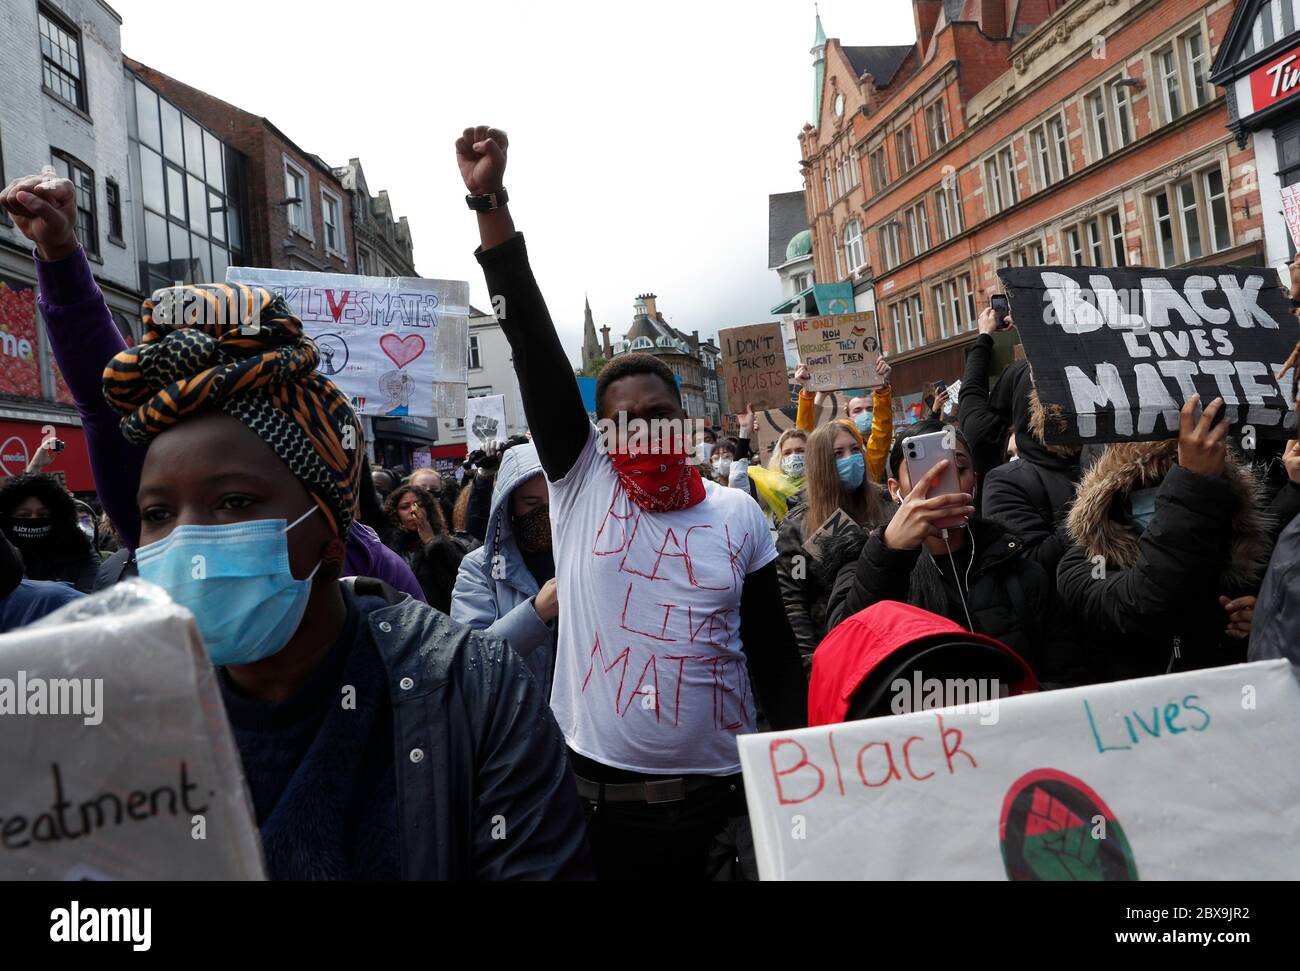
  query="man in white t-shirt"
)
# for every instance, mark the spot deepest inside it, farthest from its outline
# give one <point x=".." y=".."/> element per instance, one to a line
<point x="671" y="618"/>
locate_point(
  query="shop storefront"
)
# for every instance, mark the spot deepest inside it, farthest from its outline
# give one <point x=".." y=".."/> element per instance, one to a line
<point x="1258" y="66"/>
<point x="399" y="442"/>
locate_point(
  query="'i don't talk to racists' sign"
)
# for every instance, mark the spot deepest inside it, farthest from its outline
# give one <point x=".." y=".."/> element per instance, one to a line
<point x="1116" y="352"/>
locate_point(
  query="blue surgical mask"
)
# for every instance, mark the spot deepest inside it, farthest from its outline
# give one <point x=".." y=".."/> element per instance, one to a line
<point x="793" y="465"/>
<point x="1143" y="502"/>
<point x="852" y="470"/>
<point x="863" y="420"/>
<point x="236" y="581"/>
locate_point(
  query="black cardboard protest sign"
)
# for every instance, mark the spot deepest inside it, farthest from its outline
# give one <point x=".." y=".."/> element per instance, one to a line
<point x="1116" y="352"/>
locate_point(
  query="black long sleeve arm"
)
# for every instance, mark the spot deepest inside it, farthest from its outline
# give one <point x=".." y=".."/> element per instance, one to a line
<point x="480" y="507"/>
<point x="772" y="652"/>
<point x="552" y="402"/>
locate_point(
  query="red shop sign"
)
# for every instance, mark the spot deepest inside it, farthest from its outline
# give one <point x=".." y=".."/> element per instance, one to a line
<point x="1275" y="81"/>
<point x="20" y="439"/>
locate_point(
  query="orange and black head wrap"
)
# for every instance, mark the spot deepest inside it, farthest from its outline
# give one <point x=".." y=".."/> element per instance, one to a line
<point x="239" y="350"/>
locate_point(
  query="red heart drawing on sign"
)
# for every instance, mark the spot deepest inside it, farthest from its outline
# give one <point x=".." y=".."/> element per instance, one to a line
<point x="402" y="350"/>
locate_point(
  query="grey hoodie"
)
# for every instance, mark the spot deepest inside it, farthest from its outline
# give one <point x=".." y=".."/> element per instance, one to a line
<point x="502" y="605"/>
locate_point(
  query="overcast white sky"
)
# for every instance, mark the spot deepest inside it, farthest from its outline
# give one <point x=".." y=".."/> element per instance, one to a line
<point x="644" y="138"/>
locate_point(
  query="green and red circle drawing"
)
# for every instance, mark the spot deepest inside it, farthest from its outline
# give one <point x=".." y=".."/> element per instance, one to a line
<point x="1054" y="827"/>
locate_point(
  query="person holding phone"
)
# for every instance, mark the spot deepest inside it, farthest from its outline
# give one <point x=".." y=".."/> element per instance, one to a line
<point x="934" y="553"/>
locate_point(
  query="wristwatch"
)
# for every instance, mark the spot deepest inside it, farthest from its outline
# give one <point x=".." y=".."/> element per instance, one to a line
<point x="488" y="201"/>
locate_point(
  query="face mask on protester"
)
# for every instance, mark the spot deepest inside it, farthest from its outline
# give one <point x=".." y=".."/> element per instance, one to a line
<point x="664" y="482"/>
<point x="852" y="470"/>
<point x="31" y="530"/>
<point x="863" y="420"/>
<point x="793" y="465"/>
<point x="1143" y="503"/>
<point x="722" y="466"/>
<point x="245" y="599"/>
<point x="533" y="529"/>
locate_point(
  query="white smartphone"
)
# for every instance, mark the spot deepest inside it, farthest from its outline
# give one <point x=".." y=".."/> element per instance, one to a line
<point x="921" y="454"/>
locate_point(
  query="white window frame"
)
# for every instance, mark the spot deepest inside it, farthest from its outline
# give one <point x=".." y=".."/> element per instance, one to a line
<point x="1000" y="182"/>
<point x="340" y="251"/>
<point x="936" y="124"/>
<point x="918" y="306"/>
<point x="1049" y="151"/>
<point x="1202" y="91"/>
<point x="898" y="329"/>
<point x="855" y="250"/>
<point x="910" y="143"/>
<point x="937" y="292"/>
<point x="830" y="199"/>
<point x="305" y="231"/>
<point x="1164" y="77"/>
<point x="879" y="173"/>
<point x="1209" y="208"/>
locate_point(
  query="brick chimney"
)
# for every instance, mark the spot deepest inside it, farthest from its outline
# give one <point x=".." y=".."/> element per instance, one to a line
<point x="926" y="14"/>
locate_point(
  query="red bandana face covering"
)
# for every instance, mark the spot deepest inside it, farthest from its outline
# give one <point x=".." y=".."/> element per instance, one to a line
<point x="659" y="483"/>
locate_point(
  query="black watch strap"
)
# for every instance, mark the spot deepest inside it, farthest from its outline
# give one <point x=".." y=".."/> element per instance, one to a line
<point x="488" y="201"/>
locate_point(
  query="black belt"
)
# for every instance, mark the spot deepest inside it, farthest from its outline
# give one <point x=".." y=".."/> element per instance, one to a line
<point x="661" y="790"/>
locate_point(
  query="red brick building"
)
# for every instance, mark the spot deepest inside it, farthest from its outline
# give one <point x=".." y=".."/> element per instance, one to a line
<point x="1065" y="132"/>
<point x="299" y="213"/>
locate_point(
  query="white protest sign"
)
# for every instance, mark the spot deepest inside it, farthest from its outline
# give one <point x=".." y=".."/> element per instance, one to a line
<point x="1291" y="210"/>
<point x="1185" y="776"/>
<point x="485" y="419"/>
<point x="397" y="346"/>
<point x="119" y="763"/>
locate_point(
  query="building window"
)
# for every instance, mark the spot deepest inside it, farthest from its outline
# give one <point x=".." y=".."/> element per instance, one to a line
<point x="1098" y="126"/>
<point x="830" y="199"/>
<point x="898" y="329"/>
<point x="889" y="244"/>
<point x="474" y="362"/>
<point x="1049" y="152"/>
<point x="906" y="149"/>
<point x="1097" y="241"/>
<point x="363" y="261"/>
<point x="83" y="179"/>
<point x="839" y="261"/>
<point x="947" y="207"/>
<point x="853" y="249"/>
<point x="1275" y="20"/>
<point x="968" y="297"/>
<point x="331" y="207"/>
<point x="918" y="229"/>
<point x="1190" y="217"/>
<point x="854" y="175"/>
<point x="295" y="198"/>
<point x="113" y="196"/>
<point x="1170" y="90"/>
<point x="936" y="125"/>
<point x="879" y="170"/>
<point x="840" y="188"/>
<point x="912" y="315"/>
<point x="61" y="62"/>
<point x="941" y="310"/>
<point x="1197" y="67"/>
<point x="4" y="215"/>
<point x="1000" y="180"/>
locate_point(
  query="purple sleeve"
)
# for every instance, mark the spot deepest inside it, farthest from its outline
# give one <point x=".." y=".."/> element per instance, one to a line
<point x="367" y="556"/>
<point x="84" y="339"/>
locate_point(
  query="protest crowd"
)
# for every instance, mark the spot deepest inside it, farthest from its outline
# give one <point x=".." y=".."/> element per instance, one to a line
<point x="567" y="637"/>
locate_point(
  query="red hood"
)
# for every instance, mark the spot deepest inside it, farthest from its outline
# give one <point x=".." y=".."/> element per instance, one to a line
<point x="863" y="642"/>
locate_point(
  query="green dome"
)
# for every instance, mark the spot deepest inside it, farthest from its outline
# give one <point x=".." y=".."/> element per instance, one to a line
<point x="800" y="245"/>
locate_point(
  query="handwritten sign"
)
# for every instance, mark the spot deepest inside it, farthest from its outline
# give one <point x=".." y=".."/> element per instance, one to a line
<point x="839" y="524"/>
<point x="1291" y="210"/>
<point x="119" y="762"/>
<point x="485" y="420"/>
<point x="753" y="366"/>
<point x="1185" y="776"/>
<point x="840" y="350"/>
<point x="396" y="346"/>
<point x="1117" y="352"/>
<point x="774" y="421"/>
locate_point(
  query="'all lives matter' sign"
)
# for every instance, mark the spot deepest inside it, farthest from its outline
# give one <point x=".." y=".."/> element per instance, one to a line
<point x="1116" y="352"/>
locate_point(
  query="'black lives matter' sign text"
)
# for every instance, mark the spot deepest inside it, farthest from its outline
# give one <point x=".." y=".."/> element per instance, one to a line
<point x="1116" y="352"/>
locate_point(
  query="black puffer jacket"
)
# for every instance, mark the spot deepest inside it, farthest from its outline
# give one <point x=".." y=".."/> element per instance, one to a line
<point x="435" y="564"/>
<point x="1032" y="495"/>
<point x="1009" y="598"/>
<point x="1150" y="601"/>
<point x="986" y="415"/>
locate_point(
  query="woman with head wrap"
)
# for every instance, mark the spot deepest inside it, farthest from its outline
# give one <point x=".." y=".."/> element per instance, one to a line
<point x="84" y="338"/>
<point x="248" y="487"/>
